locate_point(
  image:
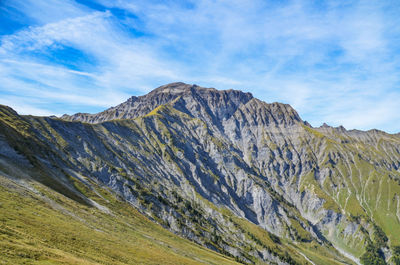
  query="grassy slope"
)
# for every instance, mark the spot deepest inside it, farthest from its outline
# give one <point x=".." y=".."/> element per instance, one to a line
<point x="45" y="227"/>
<point x="364" y="187"/>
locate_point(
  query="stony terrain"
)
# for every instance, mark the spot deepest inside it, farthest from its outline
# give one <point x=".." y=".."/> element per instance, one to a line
<point x="234" y="174"/>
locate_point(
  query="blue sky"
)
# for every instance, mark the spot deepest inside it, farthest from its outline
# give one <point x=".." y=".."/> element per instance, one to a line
<point x="334" y="61"/>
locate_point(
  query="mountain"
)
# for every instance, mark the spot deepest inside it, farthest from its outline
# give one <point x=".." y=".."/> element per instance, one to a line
<point x="243" y="178"/>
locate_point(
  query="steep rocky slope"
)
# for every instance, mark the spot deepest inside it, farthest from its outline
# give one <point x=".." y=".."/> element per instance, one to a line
<point x="242" y="177"/>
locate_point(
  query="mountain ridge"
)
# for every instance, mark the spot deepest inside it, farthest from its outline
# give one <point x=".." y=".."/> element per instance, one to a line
<point x="172" y="91"/>
<point x="181" y="88"/>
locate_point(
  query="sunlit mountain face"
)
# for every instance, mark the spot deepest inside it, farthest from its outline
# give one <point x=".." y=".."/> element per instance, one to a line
<point x="191" y="175"/>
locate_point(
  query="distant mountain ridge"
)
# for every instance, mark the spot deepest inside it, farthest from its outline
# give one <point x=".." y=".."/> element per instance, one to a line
<point x="220" y="104"/>
<point x="239" y="176"/>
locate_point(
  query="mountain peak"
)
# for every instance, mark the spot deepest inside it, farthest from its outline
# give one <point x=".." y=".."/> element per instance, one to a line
<point x="172" y="88"/>
<point x="218" y="103"/>
<point x="209" y="104"/>
<point x="178" y="88"/>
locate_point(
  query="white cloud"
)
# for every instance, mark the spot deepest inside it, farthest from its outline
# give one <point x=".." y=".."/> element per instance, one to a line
<point x="334" y="62"/>
<point x="122" y="64"/>
<point x="42" y="12"/>
<point x="26" y="108"/>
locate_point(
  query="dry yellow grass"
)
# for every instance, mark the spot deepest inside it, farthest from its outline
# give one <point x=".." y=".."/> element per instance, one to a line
<point x="48" y="228"/>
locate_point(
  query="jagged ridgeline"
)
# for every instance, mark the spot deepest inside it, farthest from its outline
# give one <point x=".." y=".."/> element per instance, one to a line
<point x="192" y="175"/>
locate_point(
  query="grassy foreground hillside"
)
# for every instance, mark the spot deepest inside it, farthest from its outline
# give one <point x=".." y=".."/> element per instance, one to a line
<point x="40" y="226"/>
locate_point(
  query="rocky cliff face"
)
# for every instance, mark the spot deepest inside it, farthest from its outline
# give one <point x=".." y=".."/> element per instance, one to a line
<point x="228" y="171"/>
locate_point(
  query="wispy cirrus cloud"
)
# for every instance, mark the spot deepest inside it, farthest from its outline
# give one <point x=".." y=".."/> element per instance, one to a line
<point x="36" y="64"/>
<point x="334" y="62"/>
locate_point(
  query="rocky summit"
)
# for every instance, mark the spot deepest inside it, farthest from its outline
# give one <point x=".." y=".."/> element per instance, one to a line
<point x="193" y="175"/>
